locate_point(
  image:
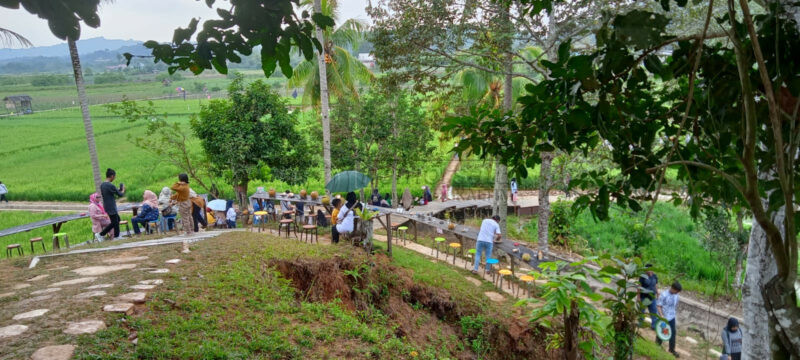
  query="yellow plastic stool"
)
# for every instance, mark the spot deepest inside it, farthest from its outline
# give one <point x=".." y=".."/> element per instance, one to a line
<point x="527" y="279"/>
<point x="503" y="273"/>
<point x="455" y="246"/>
<point x="263" y="215"/>
<point x="401" y="231"/>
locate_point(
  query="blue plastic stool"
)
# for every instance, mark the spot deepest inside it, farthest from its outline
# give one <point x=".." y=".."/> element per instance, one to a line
<point x="489" y="263"/>
<point x="155" y="226"/>
<point x="163" y="222"/>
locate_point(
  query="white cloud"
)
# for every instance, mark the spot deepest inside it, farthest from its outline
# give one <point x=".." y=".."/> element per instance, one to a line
<point x="137" y="19"/>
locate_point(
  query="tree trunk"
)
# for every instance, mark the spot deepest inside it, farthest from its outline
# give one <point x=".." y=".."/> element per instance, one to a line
<point x="571" y="326"/>
<point x="323" y="98"/>
<point x="241" y="195"/>
<point x="757" y="328"/>
<point x="741" y="253"/>
<point x="87" y="119"/>
<point x="394" y="183"/>
<point x="544" y="201"/>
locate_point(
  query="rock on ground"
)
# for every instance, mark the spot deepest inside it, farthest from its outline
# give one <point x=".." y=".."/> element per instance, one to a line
<point x="84" y="327"/>
<point x="126" y="259"/>
<point x="126" y="308"/>
<point x="31" y="314"/>
<point x="57" y="352"/>
<point x="74" y="281"/>
<point x="12" y="330"/>
<point x="473" y="280"/>
<point x="134" y="297"/>
<point x="37" y="278"/>
<point x="142" y="287"/>
<point x="152" y="282"/>
<point x="99" y="286"/>
<point x="90" y="294"/>
<point x="100" y="270"/>
<point x="159" y="271"/>
<point x="45" y="291"/>
<point x="495" y="296"/>
<point x="20" y="286"/>
<point x="173" y="261"/>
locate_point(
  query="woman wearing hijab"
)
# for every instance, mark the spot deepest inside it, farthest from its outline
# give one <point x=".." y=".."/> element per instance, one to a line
<point x="97" y="213"/>
<point x="167" y="209"/>
<point x="345" y="219"/>
<point x="732" y="340"/>
<point x="149" y="211"/>
<point x="426" y="196"/>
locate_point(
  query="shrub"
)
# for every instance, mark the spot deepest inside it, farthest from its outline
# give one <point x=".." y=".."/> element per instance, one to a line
<point x="109" y="78"/>
<point x="560" y="226"/>
<point x="51" y="80"/>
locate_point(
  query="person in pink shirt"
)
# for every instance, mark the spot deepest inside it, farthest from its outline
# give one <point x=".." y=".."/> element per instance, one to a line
<point x="97" y="213"/>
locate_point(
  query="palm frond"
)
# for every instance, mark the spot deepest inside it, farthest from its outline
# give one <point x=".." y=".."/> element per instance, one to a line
<point x="349" y="35"/>
<point x="8" y="38"/>
<point x="302" y="73"/>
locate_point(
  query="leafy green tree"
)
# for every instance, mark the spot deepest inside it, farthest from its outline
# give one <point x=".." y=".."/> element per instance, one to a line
<point x="252" y="136"/>
<point x="169" y="141"/>
<point x="722" y="113"/>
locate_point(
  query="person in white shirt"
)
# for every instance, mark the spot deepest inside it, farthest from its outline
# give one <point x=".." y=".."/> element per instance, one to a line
<point x="230" y="215"/>
<point x="3" y="192"/>
<point x="489" y="233"/>
<point x="345" y="219"/>
<point x="667" y="307"/>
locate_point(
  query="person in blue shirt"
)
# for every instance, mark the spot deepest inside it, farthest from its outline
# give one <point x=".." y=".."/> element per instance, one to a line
<point x="647" y="294"/>
<point x="149" y="211"/>
<point x="667" y="309"/>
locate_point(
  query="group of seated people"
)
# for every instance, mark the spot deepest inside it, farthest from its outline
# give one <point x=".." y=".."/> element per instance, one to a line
<point x="164" y="210"/>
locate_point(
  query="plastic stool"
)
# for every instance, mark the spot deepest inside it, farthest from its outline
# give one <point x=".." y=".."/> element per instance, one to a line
<point x="127" y="227"/>
<point x="503" y="273"/>
<point x="56" y="240"/>
<point x="10" y="247"/>
<point x="154" y="223"/>
<point x="527" y="279"/>
<point x="262" y="219"/>
<point x="401" y="230"/>
<point x="438" y="241"/>
<point x="489" y="263"/>
<point x="471" y="253"/>
<point x="163" y="223"/>
<point x="455" y="246"/>
<point x="39" y="240"/>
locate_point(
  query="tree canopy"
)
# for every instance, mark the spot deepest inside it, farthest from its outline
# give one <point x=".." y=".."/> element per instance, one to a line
<point x="274" y="26"/>
<point x="252" y="136"/>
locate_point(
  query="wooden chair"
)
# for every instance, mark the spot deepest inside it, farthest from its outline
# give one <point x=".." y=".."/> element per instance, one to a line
<point x="311" y="231"/>
<point x="288" y="223"/>
<point x="10" y="247"/>
<point x="127" y="227"/>
<point x="39" y="240"/>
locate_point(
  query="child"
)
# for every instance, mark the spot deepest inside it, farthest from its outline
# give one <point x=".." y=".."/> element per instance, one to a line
<point x="211" y="220"/>
<point x="3" y="192"/>
<point x="98" y="214"/>
<point x="230" y="215"/>
<point x="337" y="204"/>
<point x="667" y="306"/>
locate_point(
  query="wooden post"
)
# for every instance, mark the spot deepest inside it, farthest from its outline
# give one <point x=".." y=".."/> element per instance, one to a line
<point x="415" y="230"/>
<point x="389" y="234"/>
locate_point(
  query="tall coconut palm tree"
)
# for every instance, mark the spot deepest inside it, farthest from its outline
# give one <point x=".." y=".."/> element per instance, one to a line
<point x="336" y="71"/>
<point x="87" y="119"/>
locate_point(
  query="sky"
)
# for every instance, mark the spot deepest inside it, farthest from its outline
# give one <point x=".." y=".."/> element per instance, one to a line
<point x="138" y="19"/>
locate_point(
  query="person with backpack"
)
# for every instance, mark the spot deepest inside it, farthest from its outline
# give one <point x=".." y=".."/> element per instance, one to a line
<point x="732" y="340"/>
<point x="647" y="294"/>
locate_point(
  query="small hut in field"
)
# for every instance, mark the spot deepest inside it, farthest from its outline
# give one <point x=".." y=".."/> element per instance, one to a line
<point x="19" y="104"/>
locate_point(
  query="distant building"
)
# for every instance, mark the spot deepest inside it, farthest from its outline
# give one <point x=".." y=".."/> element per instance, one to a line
<point x="19" y="104"/>
<point x="367" y="59"/>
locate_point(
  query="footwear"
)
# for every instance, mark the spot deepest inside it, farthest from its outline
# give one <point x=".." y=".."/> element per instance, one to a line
<point x="675" y="354"/>
<point x="98" y="237"/>
<point x="474" y="271"/>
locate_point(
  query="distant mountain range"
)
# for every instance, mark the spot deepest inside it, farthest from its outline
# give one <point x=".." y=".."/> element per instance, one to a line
<point x="85" y="47"/>
<point x="96" y="53"/>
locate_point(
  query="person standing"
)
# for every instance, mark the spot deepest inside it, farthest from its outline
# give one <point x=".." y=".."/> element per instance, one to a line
<point x="667" y="309"/>
<point x="3" y="192"/>
<point x="337" y="204"/>
<point x="444" y="192"/>
<point x="732" y="340"/>
<point x="514" y="190"/>
<point x="180" y="194"/>
<point x="489" y="233"/>
<point x="198" y="210"/>
<point x="427" y="197"/>
<point x="109" y="192"/>
<point x="230" y="215"/>
<point x="647" y="294"/>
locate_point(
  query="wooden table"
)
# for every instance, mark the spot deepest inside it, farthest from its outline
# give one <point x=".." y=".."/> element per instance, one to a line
<point x="56" y="222"/>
